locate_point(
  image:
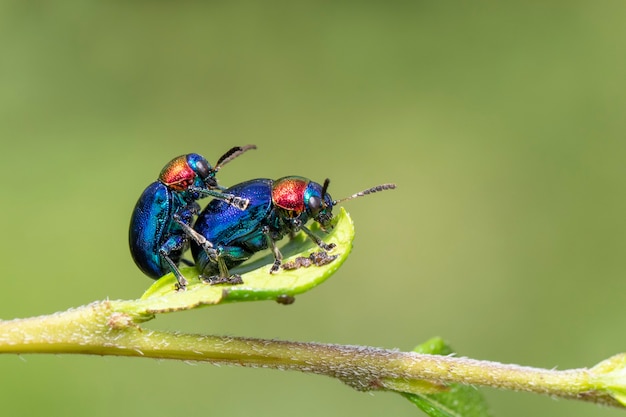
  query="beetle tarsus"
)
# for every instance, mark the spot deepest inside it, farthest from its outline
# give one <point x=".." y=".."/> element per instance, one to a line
<point x="276" y="267"/>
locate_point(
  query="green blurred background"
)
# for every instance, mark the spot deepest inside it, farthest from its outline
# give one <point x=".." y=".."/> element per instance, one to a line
<point x="504" y="127"/>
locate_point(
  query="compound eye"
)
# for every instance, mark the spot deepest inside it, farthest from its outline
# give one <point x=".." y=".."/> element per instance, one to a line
<point x="203" y="169"/>
<point x="315" y="204"/>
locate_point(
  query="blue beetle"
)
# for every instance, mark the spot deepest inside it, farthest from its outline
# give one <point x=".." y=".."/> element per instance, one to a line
<point x="276" y="208"/>
<point x="157" y="234"/>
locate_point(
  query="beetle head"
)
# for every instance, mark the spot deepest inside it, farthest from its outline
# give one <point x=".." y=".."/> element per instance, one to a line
<point x="186" y="171"/>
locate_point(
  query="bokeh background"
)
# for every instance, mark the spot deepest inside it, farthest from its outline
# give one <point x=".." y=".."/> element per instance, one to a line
<point x="503" y="125"/>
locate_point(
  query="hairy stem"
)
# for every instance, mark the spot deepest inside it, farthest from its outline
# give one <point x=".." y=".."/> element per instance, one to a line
<point x="111" y="328"/>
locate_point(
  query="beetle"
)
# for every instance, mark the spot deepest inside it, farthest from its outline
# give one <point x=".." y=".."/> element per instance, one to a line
<point x="277" y="208"/>
<point x="157" y="234"/>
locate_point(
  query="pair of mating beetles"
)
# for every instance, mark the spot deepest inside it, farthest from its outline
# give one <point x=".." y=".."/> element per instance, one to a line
<point x="240" y="221"/>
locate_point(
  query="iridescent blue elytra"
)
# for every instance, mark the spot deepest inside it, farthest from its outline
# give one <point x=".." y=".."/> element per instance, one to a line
<point x="275" y="208"/>
<point x="160" y="222"/>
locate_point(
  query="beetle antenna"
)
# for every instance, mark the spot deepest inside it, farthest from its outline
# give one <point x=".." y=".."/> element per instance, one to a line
<point x="230" y="155"/>
<point x="325" y="188"/>
<point x="372" y="190"/>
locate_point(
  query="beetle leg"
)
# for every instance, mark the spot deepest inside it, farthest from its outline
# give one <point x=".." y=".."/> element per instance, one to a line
<point x="223" y="253"/>
<point x="224" y="277"/>
<point x="182" y="282"/>
<point x="238" y="202"/>
<point x="317" y="240"/>
<point x="197" y="237"/>
<point x="230" y="199"/>
<point x="271" y="243"/>
<point x="169" y="254"/>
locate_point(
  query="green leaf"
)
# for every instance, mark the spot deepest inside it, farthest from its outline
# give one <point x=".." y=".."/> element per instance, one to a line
<point x="457" y="401"/>
<point x="258" y="283"/>
<point x="610" y="376"/>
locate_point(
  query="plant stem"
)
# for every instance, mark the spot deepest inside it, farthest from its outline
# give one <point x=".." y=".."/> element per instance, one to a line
<point x="111" y="328"/>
